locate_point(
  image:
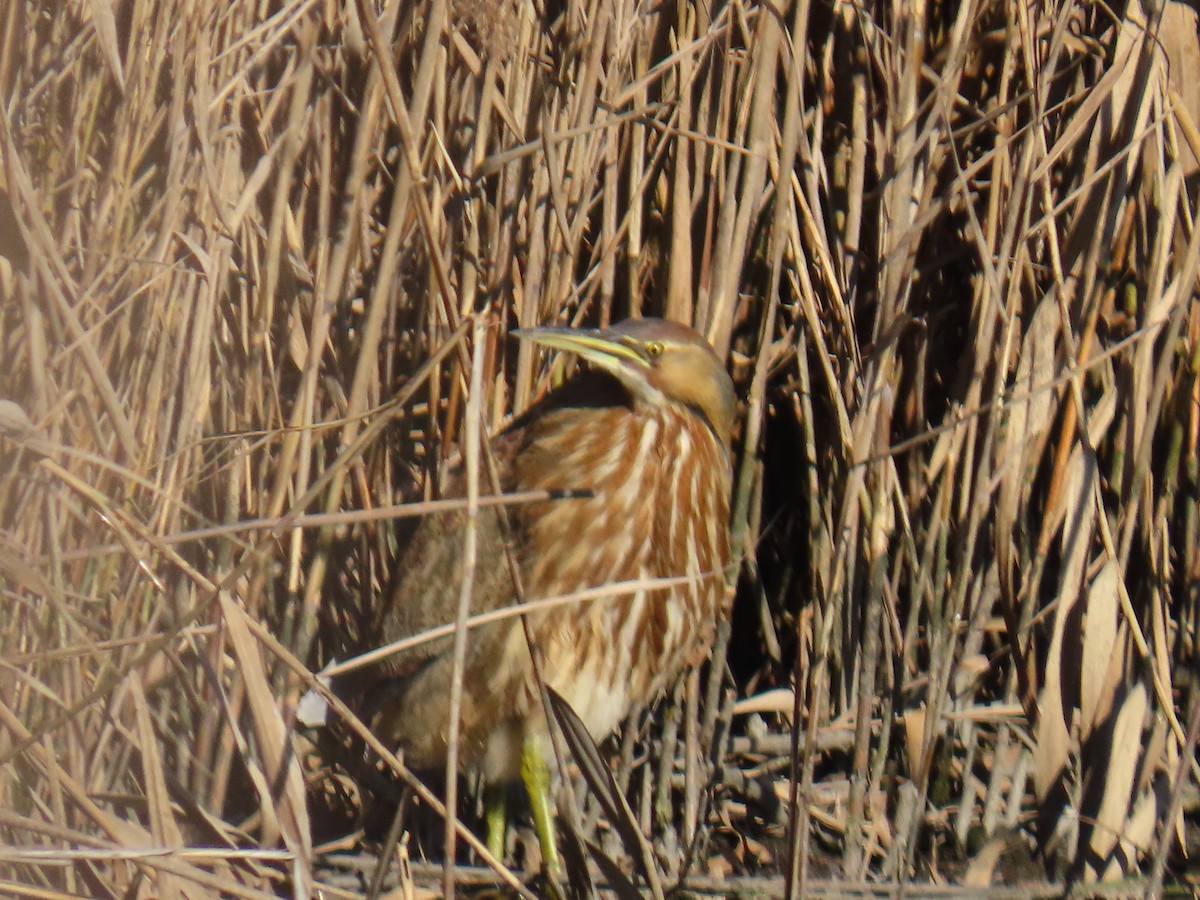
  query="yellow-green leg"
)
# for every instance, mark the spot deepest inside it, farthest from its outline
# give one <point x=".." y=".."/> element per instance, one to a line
<point x="495" y="812"/>
<point x="536" y="775"/>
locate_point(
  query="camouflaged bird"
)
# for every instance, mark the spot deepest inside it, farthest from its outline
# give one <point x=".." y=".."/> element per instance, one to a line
<point x="641" y="444"/>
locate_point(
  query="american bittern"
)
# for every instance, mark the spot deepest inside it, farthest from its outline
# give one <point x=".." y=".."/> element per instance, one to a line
<point x="643" y="437"/>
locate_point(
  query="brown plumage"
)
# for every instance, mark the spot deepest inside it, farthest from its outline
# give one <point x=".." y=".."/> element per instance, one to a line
<point x="645" y="433"/>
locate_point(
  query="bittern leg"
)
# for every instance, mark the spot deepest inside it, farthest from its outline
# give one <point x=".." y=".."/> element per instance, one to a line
<point x="536" y="775"/>
<point x="495" y="805"/>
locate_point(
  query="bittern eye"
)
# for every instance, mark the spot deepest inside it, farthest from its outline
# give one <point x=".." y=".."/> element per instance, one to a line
<point x="654" y="349"/>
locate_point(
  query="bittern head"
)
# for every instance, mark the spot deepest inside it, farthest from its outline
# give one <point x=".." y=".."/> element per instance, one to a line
<point x="659" y="363"/>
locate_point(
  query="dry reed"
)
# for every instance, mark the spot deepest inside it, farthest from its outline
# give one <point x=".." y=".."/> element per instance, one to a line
<point x="949" y="251"/>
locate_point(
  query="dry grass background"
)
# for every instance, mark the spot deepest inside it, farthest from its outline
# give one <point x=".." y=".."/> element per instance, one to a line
<point x="949" y="251"/>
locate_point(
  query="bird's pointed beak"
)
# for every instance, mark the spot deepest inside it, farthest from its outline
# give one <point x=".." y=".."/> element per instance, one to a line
<point x="609" y="351"/>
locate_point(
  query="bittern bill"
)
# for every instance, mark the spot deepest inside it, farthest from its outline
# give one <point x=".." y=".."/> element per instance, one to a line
<point x="638" y="447"/>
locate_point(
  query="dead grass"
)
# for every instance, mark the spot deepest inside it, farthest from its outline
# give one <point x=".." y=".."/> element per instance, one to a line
<point x="949" y="252"/>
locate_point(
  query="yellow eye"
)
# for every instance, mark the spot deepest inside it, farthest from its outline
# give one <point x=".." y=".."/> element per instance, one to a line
<point x="654" y="349"/>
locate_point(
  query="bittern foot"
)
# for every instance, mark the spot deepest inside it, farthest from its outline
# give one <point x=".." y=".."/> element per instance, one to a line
<point x="495" y="803"/>
<point x="536" y="775"/>
<point x="546" y="885"/>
